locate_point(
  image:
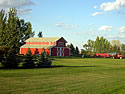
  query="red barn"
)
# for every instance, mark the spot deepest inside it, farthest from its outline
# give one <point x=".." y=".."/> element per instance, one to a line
<point x="54" y="46"/>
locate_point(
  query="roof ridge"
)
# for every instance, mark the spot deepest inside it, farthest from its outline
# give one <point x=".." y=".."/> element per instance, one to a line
<point x="45" y="39"/>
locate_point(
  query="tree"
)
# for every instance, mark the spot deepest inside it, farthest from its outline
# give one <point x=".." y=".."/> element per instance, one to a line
<point x="123" y="49"/>
<point x="40" y="35"/>
<point x="3" y="53"/>
<point x="82" y="51"/>
<point x="11" y="60"/>
<point x="108" y="46"/>
<point x="43" y="60"/>
<point x="97" y="45"/>
<point x="77" y="51"/>
<point x="90" y="45"/>
<point x="86" y="46"/>
<point x="28" y="60"/>
<point x="3" y="20"/>
<point x="116" y="42"/>
<point x="72" y="49"/>
<point x="100" y="45"/>
<point x="13" y="31"/>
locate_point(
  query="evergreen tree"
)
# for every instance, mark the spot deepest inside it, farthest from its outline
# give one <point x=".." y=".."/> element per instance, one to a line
<point x="13" y="31"/>
<point x="3" y="19"/>
<point x="11" y="60"/>
<point x="28" y="60"/>
<point x="77" y="51"/>
<point x="3" y="53"/>
<point x="40" y="35"/>
<point x="72" y="49"/>
<point x="43" y="60"/>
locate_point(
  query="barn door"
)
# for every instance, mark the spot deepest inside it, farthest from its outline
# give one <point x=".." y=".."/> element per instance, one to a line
<point x="60" y="51"/>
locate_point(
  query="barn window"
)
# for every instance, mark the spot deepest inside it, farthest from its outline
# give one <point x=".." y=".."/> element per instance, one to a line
<point x="61" y="44"/>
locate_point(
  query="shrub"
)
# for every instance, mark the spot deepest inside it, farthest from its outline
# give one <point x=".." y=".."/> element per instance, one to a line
<point x="28" y="60"/>
<point x="43" y="60"/>
<point x="11" y="60"/>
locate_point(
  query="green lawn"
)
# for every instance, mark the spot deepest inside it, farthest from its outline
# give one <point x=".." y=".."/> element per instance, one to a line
<point x="68" y="76"/>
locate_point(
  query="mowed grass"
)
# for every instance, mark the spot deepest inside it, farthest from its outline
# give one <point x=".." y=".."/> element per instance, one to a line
<point x="68" y="76"/>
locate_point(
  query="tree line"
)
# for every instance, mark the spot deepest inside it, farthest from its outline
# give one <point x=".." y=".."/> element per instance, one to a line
<point x="10" y="60"/>
<point x="102" y="45"/>
<point x="74" y="51"/>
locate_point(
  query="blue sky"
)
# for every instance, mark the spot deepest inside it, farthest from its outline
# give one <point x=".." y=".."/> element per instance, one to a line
<point x="75" y="20"/>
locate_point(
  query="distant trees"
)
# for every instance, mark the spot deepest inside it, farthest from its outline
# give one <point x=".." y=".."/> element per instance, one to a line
<point x="73" y="50"/>
<point x="123" y="49"/>
<point x="102" y="45"/>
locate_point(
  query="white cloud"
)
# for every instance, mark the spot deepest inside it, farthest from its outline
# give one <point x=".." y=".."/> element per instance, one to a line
<point x="97" y="13"/>
<point x="20" y="5"/>
<point x="24" y="11"/>
<point x="66" y="26"/>
<point x="92" y="29"/>
<point x="117" y="37"/>
<point x="15" y="3"/>
<point x="116" y="5"/>
<point x="122" y="29"/>
<point x="95" y="6"/>
<point x="105" y="28"/>
<point x="60" y="24"/>
<point x="70" y="26"/>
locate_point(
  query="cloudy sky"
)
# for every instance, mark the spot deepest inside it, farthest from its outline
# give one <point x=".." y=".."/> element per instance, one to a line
<point x="75" y="20"/>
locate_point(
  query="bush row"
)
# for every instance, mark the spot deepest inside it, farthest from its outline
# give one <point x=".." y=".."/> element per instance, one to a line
<point x="10" y="60"/>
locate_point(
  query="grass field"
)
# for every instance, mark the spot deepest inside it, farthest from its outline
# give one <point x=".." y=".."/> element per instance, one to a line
<point x="68" y="76"/>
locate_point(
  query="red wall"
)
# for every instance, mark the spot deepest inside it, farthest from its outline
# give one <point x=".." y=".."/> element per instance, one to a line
<point x="62" y="41"/>
<point x="66" y="52"/>
<point x="34" y="51"/>
<point x="53" y="51"/>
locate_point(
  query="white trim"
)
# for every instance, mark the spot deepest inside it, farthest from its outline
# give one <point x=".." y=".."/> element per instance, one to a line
<point x="60" y="51"/>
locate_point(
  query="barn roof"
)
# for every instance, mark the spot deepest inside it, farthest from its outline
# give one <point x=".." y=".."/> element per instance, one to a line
<point x="36" y="46"/>
<point x="44" y="39"/>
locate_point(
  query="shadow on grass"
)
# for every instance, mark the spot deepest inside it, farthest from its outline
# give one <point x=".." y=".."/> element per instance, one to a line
<point x="56" y="66"/>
